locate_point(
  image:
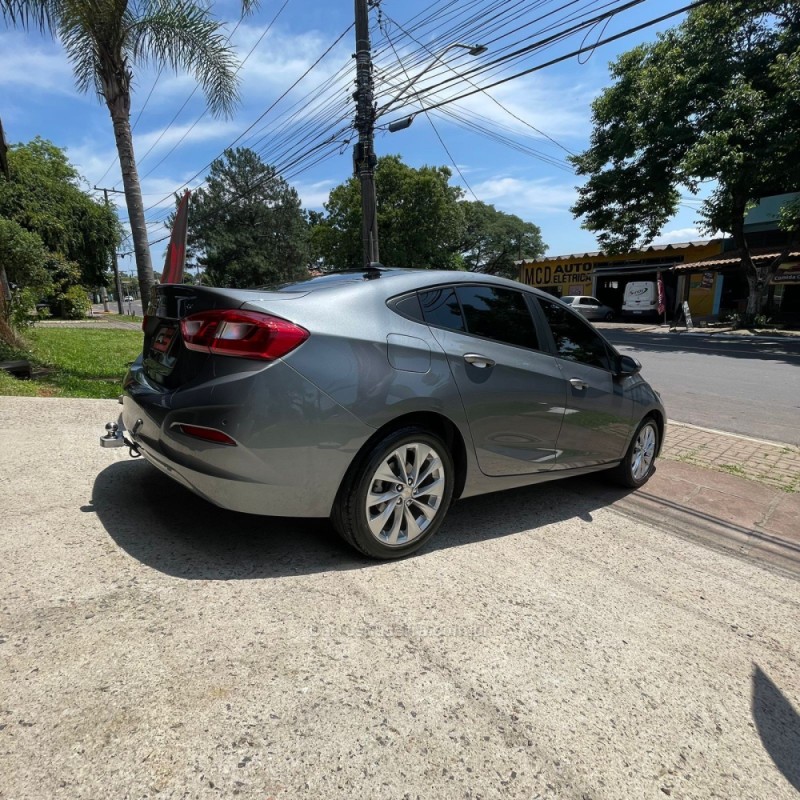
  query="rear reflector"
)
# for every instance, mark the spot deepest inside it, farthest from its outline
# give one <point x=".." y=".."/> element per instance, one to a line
<point x="208" y="434"/>
<point x="247" y="334"/>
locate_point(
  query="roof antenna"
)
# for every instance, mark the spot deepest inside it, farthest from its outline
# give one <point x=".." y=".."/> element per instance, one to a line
<point x="374" y="270"/>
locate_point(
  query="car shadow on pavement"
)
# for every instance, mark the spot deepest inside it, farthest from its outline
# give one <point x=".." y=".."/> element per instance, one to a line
<point x="168" y="528"/>
<point x="778" y="725"/>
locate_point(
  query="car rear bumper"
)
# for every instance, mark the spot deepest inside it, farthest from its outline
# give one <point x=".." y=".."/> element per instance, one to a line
<point x="293" y="444"/>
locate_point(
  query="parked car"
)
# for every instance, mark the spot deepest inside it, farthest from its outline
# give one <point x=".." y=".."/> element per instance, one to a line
<point x="589" y="307"/>
<point x="377" y="397"/>
<point x="128" y="298"/>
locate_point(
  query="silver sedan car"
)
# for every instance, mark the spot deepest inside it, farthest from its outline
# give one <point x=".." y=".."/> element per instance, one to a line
<point x="589" y="307"/>
<point x="377" y="397"/>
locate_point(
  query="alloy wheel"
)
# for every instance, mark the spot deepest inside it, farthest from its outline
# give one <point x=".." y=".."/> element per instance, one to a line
<point x="405" y="494"/>
<point x="644" y="451"/>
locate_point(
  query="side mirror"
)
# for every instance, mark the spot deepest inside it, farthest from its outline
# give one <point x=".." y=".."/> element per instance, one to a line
<point x="627" y="366"/>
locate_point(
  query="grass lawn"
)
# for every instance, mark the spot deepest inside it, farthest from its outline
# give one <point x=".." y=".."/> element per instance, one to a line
<point x="76" y="362"/>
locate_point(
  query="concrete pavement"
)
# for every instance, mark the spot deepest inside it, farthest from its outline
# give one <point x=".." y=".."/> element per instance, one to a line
<point x="552" y="642"/>
<point x="569" y="640"/>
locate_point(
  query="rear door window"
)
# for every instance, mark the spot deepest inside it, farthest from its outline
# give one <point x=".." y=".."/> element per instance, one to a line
<point x="499" y="314"/>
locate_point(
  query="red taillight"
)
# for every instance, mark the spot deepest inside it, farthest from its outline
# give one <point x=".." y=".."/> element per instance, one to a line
<point x="209" y="434"/>
<point x="247" y="334"/>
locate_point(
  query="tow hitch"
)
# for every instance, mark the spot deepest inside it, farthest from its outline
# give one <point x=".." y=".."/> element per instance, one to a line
<point x="115" y="437"/>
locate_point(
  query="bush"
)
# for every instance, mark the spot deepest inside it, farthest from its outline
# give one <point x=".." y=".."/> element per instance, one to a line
<point x="74" y="303"/>
<point x="741" y="320"/>
<point x="23" y="307"/>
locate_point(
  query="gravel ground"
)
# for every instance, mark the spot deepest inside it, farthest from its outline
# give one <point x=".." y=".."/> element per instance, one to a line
<point x="545" y="645"/>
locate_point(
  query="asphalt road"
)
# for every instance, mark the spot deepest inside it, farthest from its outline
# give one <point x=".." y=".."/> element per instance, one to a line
<point x="546" y="645"/>
<point x="749" y="386"/>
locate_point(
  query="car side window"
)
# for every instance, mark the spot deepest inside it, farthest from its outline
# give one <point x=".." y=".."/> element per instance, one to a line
<point x="440" y="307"/>
<point x="574" y="339"/>
<point x="499" y="314"/>
<point x="408" y="306"/>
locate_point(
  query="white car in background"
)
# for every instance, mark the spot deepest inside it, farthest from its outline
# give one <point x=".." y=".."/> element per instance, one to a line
<point x="589" y="307"/>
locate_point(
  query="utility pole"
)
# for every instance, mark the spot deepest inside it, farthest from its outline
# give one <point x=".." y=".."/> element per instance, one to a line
<point x="364" y="158"/>
<point x="117" y="280"/>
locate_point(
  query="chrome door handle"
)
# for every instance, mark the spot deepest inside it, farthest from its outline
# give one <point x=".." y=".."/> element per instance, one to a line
<point x="577" y="383"/>
<point x="477" y="360"/>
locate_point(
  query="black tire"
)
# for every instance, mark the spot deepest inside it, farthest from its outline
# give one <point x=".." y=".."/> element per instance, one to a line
<point x="408" y="516"/>
<point x="609" y="316"/>
<point x="640" y="459"/>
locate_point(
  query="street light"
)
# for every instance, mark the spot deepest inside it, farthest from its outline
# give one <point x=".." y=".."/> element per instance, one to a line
<point x="472" y="49"/>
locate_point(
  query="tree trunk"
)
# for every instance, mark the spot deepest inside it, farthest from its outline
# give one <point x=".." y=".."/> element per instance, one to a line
<point x="119" y="110"/>
<point x="5" y="295"/>
<point x="748" y="267"/>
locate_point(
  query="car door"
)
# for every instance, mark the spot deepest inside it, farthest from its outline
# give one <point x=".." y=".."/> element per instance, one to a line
<point x="590" y="308"/>
<point x="599" y="414"/>
<point x="513" y="392"/>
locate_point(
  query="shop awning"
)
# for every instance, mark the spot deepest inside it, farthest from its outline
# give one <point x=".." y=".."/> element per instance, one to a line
<point x="761" y="257"/>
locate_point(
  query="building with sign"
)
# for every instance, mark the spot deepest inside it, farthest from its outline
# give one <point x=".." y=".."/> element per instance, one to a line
<point x="707" y="274"/>
<point x="605" y="276"/>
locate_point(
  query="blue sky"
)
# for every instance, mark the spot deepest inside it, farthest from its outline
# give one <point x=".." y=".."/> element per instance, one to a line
<point x="523" y="174"/>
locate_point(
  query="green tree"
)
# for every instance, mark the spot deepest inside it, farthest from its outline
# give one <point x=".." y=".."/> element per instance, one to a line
<point x="494" y="240"/>
<point x="420" y="221"/>
<point x="715" y="99"/>
<point x="23" y="272"/>
<point x="246" y="227"/>
<point x="44" y="196"/>
<point x="105" y="40"/>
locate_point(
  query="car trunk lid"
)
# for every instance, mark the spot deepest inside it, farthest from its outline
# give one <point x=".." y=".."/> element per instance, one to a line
<point x="168" y="361"/>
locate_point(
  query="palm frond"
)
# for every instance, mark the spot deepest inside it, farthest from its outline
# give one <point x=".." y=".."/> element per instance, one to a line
<point x="41" y="14"/>
<point x="83" y="28"/>
<point x="186" y="37"/>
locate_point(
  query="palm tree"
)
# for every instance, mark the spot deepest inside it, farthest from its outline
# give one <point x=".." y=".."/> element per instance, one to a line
<point x="105" y="39"/>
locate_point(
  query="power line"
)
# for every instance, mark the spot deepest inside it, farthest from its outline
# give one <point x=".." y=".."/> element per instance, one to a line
<point x="261" y="116"/>
<point x="572" y="54"/>
<point x="435" y="130"/>
<point x="499" y="104"/>
<point x="205" y="110"/>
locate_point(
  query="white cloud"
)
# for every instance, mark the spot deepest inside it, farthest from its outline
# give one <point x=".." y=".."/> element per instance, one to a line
<point x="40" y="66"/>
<point x="548" y="103"/>
<point x="188" y="133"/>
<point x="526" y="197"/>
<point x="691" y="234"/>
<point x="281" y="58"/>
<point x="554" y="108"/>
<point x="314" y="195"/>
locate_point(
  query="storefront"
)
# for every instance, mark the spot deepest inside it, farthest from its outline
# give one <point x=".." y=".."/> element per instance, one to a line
<point x="605" y="277"/>
<point x="784" y="290"/>
<point x="716" y="286"/>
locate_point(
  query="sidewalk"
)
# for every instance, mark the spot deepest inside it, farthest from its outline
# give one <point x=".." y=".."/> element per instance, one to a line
<point x="733" y="493"/>
<point x="769" y="463"/>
